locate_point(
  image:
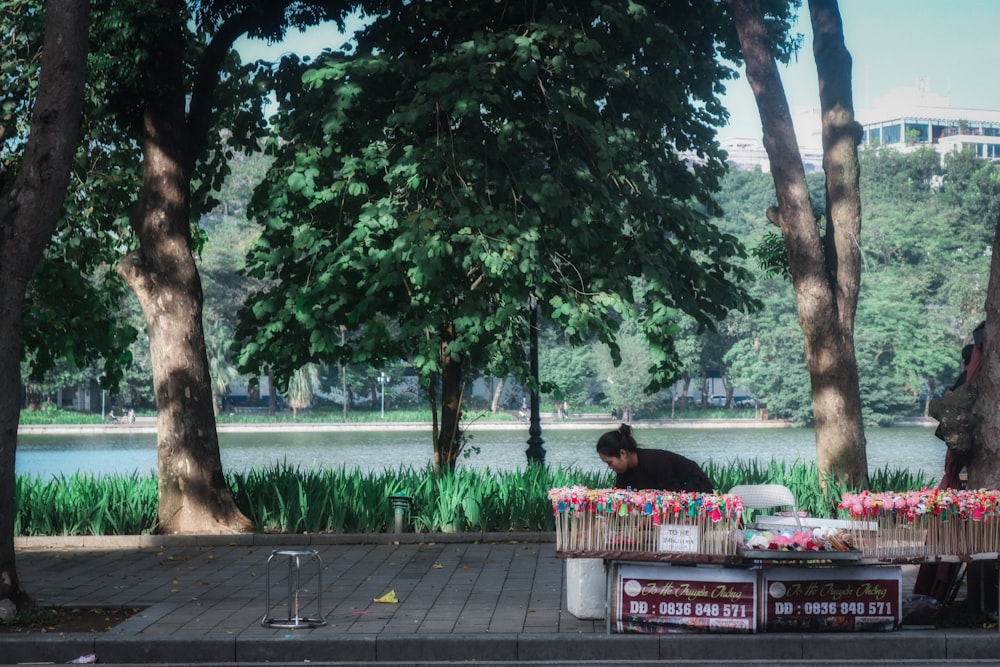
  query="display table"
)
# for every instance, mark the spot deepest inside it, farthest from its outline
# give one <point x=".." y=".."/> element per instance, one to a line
<point x="685" y="562"/>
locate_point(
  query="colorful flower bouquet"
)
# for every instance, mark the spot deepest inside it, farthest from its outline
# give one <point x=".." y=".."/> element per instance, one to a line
<point x="928" y="522"/>
<point x="620" y="520"/>
<point x="809" y="539"/>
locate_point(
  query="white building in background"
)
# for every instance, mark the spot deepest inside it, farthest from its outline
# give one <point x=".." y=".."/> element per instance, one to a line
<point x="911" y="118"/>
<point x="906" y="119"/>
<point x="749" y="153"/>
<point x="745" y="153"/>
<point x="946" y="129"/>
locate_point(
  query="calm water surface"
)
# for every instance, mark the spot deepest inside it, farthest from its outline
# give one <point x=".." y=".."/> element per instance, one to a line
<point x="122" y="453"/>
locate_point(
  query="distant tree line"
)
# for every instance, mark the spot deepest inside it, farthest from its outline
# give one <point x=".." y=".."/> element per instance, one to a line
<point x="928" y="227"/>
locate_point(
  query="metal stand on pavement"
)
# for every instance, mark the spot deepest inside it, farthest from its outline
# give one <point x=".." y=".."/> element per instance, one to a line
<point x="299" y="600"/>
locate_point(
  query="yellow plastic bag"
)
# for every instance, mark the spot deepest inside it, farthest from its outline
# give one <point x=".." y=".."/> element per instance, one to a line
<point x="389" y="598"/>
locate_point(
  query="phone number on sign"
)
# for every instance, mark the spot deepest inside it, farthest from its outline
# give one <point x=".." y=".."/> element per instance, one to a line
<point x="698" y="609"/>
<point x="830" y="608"/>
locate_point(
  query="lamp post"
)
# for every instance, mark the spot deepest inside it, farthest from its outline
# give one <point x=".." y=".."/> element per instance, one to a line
<point x="382" y="379"/>
<point x="535" y="451"/>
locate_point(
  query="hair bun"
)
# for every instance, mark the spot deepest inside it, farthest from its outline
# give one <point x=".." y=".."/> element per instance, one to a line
<point x="625" y="430"/>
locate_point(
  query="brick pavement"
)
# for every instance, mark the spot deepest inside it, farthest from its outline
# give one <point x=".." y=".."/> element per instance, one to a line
<point x="499" y="598"/>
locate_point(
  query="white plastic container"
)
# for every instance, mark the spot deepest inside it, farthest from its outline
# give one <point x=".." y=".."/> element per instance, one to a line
<point x="586" y="588"/>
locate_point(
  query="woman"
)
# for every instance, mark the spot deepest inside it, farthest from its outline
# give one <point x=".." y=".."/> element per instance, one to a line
<point x="638" y="468"/>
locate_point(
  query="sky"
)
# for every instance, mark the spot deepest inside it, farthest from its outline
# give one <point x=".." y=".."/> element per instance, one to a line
<point x="894" y="43"/>
<point x="949" y="46"/>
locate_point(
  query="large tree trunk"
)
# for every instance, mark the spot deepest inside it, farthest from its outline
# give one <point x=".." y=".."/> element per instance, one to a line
<point x="845" y="451"/>
<point x="984" y="463"/>
<point x="497" y="395"/>
<point x="28" y="216"/>
<point x="448" y="438"/>
<point x="825" y="271"/>
<point x="194" y="496"/>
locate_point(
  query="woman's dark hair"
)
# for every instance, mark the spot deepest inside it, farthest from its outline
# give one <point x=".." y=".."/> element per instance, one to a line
<point x="967" y="353"/>
<point x="613" y="442"/>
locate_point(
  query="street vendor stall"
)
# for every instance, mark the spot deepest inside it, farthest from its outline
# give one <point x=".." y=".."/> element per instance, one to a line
<point x="679" y="561"/>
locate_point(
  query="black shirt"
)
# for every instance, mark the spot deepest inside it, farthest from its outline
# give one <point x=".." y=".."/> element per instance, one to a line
<point x="665" y="471"/>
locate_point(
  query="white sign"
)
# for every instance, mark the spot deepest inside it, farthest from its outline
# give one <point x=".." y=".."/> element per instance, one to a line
<point x="678" y="539"/>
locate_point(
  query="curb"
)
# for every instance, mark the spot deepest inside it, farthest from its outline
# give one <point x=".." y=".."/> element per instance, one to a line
<point x="314" y="646"/>
<point x="268" y="539"/>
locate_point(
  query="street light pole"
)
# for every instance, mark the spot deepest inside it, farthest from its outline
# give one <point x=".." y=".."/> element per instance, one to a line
<point x="535" y="451"/>
<point x="382" y="379"/>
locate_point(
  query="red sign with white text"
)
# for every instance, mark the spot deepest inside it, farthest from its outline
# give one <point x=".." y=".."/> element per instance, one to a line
<point x="665" y="598"/>
<point x="833" y="600"/>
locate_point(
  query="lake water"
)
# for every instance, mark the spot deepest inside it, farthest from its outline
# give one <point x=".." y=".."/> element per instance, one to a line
<point x="913" y="448"/>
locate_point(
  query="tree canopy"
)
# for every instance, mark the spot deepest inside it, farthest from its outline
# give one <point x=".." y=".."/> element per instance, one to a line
<point x="464" y="159"/>
<point x="923" y="283"/>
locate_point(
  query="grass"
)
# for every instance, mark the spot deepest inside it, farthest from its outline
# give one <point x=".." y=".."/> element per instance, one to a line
<point x="285" y="499"/>
<point x="48" y="414"/>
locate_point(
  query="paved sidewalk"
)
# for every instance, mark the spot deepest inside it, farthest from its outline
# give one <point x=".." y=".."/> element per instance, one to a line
<point x="499" y="599"/>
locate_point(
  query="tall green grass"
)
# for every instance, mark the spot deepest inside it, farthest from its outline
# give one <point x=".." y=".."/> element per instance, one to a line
<point x="286" y="499"/>
<point x="82" y="504"/>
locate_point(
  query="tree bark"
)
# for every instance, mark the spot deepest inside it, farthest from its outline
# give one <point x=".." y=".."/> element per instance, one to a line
<point x="28" y="216"/>
<point x="984" y="462"/>
<point x="825" y="269"/>
<point x="497" y="395"/>
<point x="194" y="496"/>
<point x="448" y="438"/>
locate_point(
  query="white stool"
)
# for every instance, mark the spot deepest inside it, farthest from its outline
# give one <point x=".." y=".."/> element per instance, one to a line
<point x="296" y="609"/>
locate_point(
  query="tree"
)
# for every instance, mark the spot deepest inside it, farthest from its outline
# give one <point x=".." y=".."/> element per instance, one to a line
<point x="625" y="380"/>
<point x="469" y="158"/>
<point x="226" y="236"/>
<point x="984" y="465"/>
<point x="824" y="267"/>
<point x="73" y="298"/>
<point x="566" y="371"/>
<point x="302" y="387"/>
<point x="689" y="346"/>
<point x="221" y="368"/>
<point x="924" y="270"/>
<point x="903" y="346"/>
<point x="221" y="260"/>
<point x="170" y="102"/>
<point x="44" y="391"/>
<point x="770" y="359"/>
<point x="497" y="395"/>
<point x="31" y="200"/>
<point x="970" y="183"/>
<point x="161" y="271"/>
